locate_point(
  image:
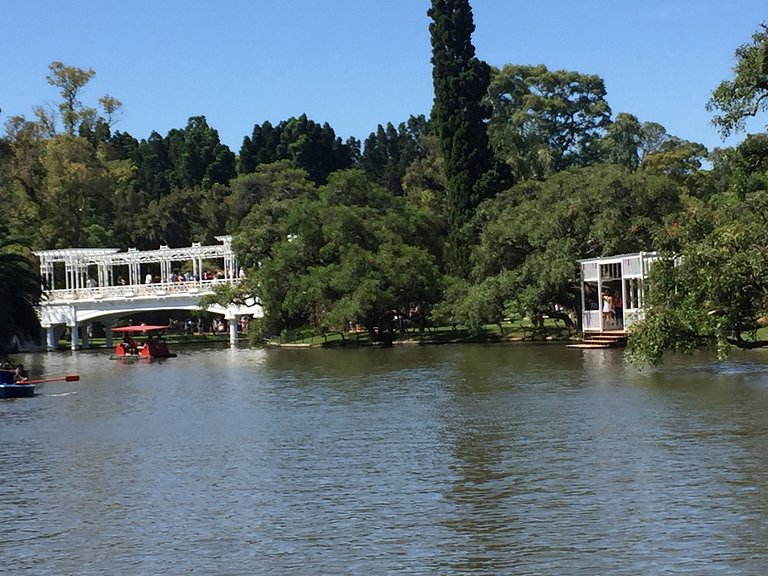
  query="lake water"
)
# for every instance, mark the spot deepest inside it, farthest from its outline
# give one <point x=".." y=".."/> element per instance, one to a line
<point x="505" y="459"/>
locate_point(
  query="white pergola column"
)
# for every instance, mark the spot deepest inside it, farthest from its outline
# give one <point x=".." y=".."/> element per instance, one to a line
<point x="582" y="285"/>
<point x="233" y="322"/>
<point x="108" y="324"/>
<point x="600" y="295"/>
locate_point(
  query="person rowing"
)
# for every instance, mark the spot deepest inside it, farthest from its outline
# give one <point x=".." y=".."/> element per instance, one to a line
<point x="20" y="375"/>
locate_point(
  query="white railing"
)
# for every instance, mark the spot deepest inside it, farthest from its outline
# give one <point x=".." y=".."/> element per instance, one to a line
<point x="154" y="290"/>
<point x="591" y="320"/>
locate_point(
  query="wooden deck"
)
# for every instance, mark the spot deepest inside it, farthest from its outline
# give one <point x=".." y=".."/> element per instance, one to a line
<point x="601" y="340"/>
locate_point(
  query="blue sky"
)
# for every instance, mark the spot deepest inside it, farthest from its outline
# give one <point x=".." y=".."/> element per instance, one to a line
<point x="359" y="63"/>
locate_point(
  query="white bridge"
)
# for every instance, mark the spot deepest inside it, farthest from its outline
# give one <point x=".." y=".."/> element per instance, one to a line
<point x="105" y="285"/>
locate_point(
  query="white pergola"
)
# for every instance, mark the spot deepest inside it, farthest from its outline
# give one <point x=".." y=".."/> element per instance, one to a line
<point x="81" y="263"/>
<point x="87" y="289"/>
<point x="621" y="275"/>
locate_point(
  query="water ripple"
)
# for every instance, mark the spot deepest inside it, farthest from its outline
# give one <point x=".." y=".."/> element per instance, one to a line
<point x="446" y="460"/>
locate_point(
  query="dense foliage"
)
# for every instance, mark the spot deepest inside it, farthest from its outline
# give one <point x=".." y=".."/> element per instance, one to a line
<point x="474" y="215"/>
<point x="458" y="115"/>
<point x="746" y="95"/>
<point x="351" y="250"/>
<point x="20" y="292"/>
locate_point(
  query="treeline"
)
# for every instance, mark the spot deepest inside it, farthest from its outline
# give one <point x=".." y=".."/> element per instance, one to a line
<point x="473" y="215"/>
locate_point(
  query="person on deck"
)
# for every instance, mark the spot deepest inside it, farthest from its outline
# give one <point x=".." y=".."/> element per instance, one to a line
<point x="618" y="307"/>
<point x="607" y="309"/>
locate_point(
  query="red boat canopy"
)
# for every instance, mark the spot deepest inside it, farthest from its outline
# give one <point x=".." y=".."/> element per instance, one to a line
<point x="141" y="328"/>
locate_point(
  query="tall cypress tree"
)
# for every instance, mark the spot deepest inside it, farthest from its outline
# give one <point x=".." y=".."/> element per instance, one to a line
<point x="458" y="115"/>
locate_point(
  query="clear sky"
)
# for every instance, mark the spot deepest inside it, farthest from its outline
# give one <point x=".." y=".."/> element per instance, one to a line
<point x="359" y="63"/>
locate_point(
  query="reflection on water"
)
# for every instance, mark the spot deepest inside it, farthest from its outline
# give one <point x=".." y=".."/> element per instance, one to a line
<point x="447" y="460"/>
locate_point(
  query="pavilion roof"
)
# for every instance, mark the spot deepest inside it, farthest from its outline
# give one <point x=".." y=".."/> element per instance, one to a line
<point x="114" y="257"/>
<point x="85" y="255"/>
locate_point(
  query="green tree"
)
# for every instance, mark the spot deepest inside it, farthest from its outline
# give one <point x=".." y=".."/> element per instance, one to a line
<point x="313" y="147"/>
<point x="307" y="144"/>
<point x="649" y="147"/>
<point x="70" y="81"/>
<point x="154" y="168"/>
<point x="622" y="142"/>
<point x="459" y="119"/>
<point x="259" y="148"/>
<point x="20" y="293"/>
<point x="348" y="250"/>
<point x="545" y="121"/>
<point x="77" y="182"/>
<point x="263" y="189"/>
<point x="713" y="286"/>
<point x="274" y="189"/>
<point x="425" y="185"/>
<point x="675" y="157"/>
<point x="62" y="182"/>
<point x="174" y="220"/>
<point x="24" y="145"/>
<point x="198" y="157"/>
<point x="389" y="151"/>
<point x="747" y="165"/>
<point x="747" y="94"/>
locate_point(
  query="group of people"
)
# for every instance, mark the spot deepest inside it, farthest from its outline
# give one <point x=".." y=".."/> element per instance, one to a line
<point x="130" y="346"/>
<point x="177" y="277"/>
<point x="20" y="374"/>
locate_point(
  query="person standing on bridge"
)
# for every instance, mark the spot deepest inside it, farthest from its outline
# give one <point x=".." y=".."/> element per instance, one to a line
<point x="148" y="278"/>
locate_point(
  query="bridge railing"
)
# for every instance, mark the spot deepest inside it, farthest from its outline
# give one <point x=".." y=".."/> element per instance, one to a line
<point x="154" y="290"/>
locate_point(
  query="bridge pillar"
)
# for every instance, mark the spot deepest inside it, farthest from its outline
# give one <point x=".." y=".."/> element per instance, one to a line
<point x="233" y="322"/>
<point x="108" y="324"/>
<point x="75" y="344"/>
<point x="85" y="336"/>
<point x="50" y="338"/>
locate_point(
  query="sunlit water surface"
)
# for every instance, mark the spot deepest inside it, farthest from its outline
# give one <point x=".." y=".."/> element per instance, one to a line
<point x="516" y="459"/>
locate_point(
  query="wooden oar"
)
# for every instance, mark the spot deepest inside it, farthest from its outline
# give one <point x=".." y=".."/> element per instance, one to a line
<point x="67" y="378"/>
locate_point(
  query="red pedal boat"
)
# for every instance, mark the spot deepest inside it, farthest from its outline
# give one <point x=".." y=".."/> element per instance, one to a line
<point x="141" y="342"/>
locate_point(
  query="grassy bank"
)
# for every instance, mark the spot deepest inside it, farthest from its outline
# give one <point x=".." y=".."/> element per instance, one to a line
<point x="519" y="331"/>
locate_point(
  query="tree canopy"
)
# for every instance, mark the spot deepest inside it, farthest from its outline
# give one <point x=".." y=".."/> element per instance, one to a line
<point x="351" y="251"/>
<point x="545" y="121"/>
<point x="712" y="285"/>
<point x="304" y="142"/>
<point x="746" y="95"/>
